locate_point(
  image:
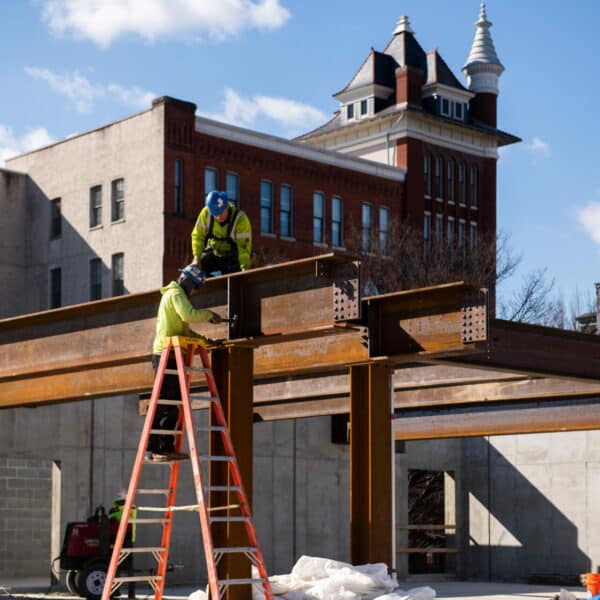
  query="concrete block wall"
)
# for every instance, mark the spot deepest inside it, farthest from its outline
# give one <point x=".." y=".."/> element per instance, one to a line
<point x="25" y="508"/>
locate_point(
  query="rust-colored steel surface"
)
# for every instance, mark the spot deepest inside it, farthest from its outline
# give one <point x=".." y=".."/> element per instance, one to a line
<point x="571" y="416"/>
<point x="370" y="465"/>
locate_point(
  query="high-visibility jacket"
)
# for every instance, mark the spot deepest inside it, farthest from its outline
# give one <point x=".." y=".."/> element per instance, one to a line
<point x="175" y="312"/>
<point x="223" y="238"/>
<point x="116" y="512"/>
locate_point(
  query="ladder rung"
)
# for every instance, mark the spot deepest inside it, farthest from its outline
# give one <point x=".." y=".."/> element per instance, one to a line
<point x="213" y="428"/>
<point x="201" y="396"/>
<point x="226" y="519"/>
<point x="225" y="582"/>
<point x="169" y="402"/>
<point x="153" y="491"/>
<point x="232" y="550"/>
<point x="188" y="370"/>
<point x="146" y="521"/>
<point x="137" y="578"/>
<point x="222" y="488"/>
<point x="166" y="431"/>
<point x="208" y="458"/>
<point x="140" y="550"/>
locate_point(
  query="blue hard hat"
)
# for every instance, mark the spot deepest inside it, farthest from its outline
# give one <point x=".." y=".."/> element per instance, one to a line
<point x="194" y="273"/>
<point x="216" y="203"/>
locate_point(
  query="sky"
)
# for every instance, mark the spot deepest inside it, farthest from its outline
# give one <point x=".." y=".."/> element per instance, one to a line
<point x="272" y="65"/>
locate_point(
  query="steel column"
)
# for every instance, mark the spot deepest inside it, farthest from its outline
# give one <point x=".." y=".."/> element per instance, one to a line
<point x="370" y="465"/>
<point x="233" y="371"/>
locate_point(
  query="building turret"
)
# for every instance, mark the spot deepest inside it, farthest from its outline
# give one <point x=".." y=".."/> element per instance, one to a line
<point x="483" y="69"/>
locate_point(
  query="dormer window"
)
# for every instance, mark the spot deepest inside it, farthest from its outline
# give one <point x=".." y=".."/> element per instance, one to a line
<point x="350" y="111"/>
<point x="445" y="108"/>
<point x="363" y="107"/>
<point x="459" y="111"/>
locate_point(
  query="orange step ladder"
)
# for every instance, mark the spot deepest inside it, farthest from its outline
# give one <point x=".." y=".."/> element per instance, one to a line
<point x="185" y="427"/>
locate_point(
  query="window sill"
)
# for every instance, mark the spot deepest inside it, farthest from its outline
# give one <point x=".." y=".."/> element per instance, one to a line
<point x="268" y="234"/>
<point x="451" y="202"/>
<point x="427" y="197"/>
<point x="117" y="221"/>
<point x="438" y="199"/>
<point x="285" y="238"/>
<point x="320" y="244"/>
<point x="95" y="227"/>
<point x="463" y="204"/>
<point x="341" y="248"/>
<point x="473" y="208"/>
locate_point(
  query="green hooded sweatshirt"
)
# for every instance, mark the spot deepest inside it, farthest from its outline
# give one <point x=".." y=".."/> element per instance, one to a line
<point x="174" y="315"/>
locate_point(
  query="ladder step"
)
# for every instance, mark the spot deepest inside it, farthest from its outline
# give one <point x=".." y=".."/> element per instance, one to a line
<point x="118" y="580"/>
<point x="222" y="488"/>
<point x="166" y="431"/>
<point x="231" y="550"/>
<point x="213" y="428"/>
<point x="201" y="396"/>
<point x="147" y="521"/>
<point x="208" y="458"/>
<point x="141" y="550"/>
<point x="225" y="582"/>
<point x="229" y="519"/>
<point x="188" y="370"/>
<point x="168" y="402"/>
<point x="153" y="491"/>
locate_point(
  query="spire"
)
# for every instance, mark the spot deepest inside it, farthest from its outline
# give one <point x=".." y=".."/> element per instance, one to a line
<point x="403" y="25"/>
<point x="483" y="68"/>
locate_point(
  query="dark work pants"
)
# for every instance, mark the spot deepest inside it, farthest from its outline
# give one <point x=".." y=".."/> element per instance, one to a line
<point x="210" y="262"/>
<point x="165" y="416"/>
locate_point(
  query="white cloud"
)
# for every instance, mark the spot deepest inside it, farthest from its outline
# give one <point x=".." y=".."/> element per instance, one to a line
<point x="83" y="93"/>
<point x="589" y="218"/>
<point x="103" y="21"/>
<point x="290" y="115"/>
<point x="11" y="145"/>
<point x="539" y="147"/>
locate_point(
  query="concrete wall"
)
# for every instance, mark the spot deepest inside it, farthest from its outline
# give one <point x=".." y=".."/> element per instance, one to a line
<point x="131" y="149"/>
<point x="25" y="511"/>
<point x="13" y="242"/>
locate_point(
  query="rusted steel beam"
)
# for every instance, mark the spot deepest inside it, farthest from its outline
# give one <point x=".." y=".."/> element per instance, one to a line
<point x="536" y="419"/>
<point x="435" y="319"/>
<point x="232" y="368"/>
<point x="370" y="465"/>
<point x="523" y="348"/>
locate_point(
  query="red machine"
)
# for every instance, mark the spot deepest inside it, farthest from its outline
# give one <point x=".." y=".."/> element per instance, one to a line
<point x="86" y="551"/>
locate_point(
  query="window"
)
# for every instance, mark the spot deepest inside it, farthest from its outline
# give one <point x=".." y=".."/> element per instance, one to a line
<point x="462" y="190"/>
<point x="55" y="288"/>
<point x="438" y="177"/>
<point x="337" y="211"/>
<point x="118" y="274"/>
<point x="363" y="107"/>
<point x="439" y="236"/>
<point x="285" y="211"/>
<point x="445" y="107"/>
<point x="459" y="110"/>
<point x="350" y="111"/>
<point x="473" y="182"/>
<point x="319" y="218"/>
<point x="450" y="187"/>
<point x="266" y="207"/>
<point x="450" y="238"/>
<point x="231" y="187"/>
<point x="96" y="206"/>
<point x="472" y="235"/>
<point x="118" y="199"/>
<point x="426" y="236"/>
<point x="55" y="219"/>
<point x="95" y="279"/>
<point x="384" y="230"/>
<point x="427" y="174"/>
<point x="178" y="199"/>
<point x="367" y="227"/>
<point x="210" y="180"/>
<point x="461" y="238"/>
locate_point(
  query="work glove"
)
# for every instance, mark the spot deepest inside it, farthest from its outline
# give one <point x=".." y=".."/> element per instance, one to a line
<point x="215" y="318"/>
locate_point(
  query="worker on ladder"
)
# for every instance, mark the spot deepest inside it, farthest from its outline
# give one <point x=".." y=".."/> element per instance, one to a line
<point x="175" y="313"/>
<point x="222" y="236"/>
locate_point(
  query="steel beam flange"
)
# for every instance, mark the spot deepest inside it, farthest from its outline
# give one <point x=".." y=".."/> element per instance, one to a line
<point x="475" y="317"/>
<point x="346" y="292"/>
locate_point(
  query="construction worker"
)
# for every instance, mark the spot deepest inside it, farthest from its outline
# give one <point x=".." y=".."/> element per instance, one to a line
<point x="116" y="512"/>
<point x="175" y="313"/>
<point x="222" y="236"/>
